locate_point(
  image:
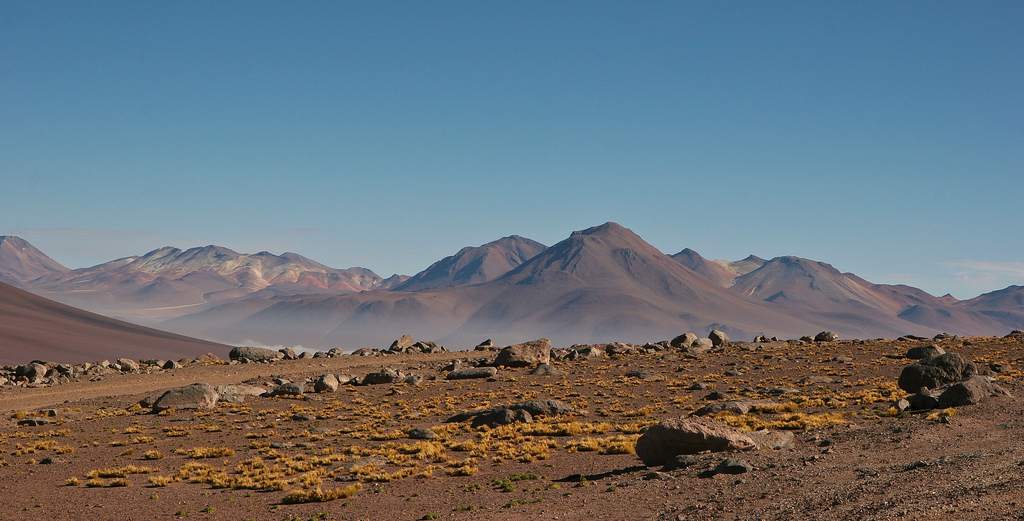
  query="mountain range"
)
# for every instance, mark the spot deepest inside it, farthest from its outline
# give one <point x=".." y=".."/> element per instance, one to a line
<point x="600" y="284"/>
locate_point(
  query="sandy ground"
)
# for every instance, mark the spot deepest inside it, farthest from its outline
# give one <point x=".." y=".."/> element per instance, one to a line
<point x="869" y="465"/>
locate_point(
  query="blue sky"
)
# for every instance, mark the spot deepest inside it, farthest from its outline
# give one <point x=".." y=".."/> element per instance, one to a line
<point x="885" y="138"/>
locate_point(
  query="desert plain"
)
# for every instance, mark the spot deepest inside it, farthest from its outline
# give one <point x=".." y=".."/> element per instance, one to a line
<point x="93" y="446"/>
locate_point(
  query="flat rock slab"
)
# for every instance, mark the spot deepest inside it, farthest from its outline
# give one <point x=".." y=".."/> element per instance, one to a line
<point x="467" y="373"/>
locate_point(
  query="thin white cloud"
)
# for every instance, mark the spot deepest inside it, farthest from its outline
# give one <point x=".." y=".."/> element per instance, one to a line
<point x="1013" y="269"/>
<point x="83" y="232"/>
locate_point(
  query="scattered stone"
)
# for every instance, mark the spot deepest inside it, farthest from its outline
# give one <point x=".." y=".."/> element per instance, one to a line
<point x="302" y="417"/>
<point x="700" y="346"/>
<point x="697" y="386"/>
<point x="922" y="352"/>
<point x="171" y="364"/>
<point x="194" y="396"/>
<point x="501" y="416"/>
<point x="34" y="422"/>
<point x="826" y="336"/>
<point x="733" y="466"/>
<point x="525" y="355"/>
<point x="1016" y="333"/>
<point x="546" y="370"/>
<point x="642" y="374"/>
<point x="842" y="359"/>
<point x="414" y="380"/>
<point x="681" y="461"/>
<point x="944" y="336"/>
<point x="327" y="383"/>
<point x="662" y="442"/>
<point x="472" y="372"/>
<point x="923" y="401"/>
<point x="534" y="407"/>
<point x="660" y="476"/>
<point x="718" y="338"/>
<point x="486" y="345"/>
<point x="289" y="353"/>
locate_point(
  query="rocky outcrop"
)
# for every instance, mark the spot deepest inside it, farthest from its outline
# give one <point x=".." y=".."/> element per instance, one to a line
<point x="969" y="392"/>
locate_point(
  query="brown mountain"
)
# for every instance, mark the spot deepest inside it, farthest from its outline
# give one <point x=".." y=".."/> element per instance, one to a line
<point x="169" y="282"/>
<point x="715" y="271"/>
<point x="473" y="265"/>
<point x="601" y="284"/>
<point x="20" y="262"/>
<point x="35" y="328"/>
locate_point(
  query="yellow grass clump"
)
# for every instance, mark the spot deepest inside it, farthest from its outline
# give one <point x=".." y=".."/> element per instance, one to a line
<point x="320" y="495"/>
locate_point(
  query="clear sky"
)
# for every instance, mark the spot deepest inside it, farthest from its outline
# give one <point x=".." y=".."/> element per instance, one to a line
<point x="885" y="138"/>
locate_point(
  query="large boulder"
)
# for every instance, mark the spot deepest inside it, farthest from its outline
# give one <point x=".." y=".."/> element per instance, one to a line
<point x="935" y="372"/>
<point x="662" y="442"/>
<point x="525" y="355"/>
<point x="684" y="340"/>
<point x="128" y="365"/>
<point x="718" y="338"/>
<point x="289" y="389"/>
<point x="969" y="392"/>
<point x="501" y="416"/>
<point x="31" y="371"/>
<point x="194" y="396"/>
<point x="254" y="354"/>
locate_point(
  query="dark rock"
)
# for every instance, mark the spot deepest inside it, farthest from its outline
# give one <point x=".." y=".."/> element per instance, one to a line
<point x="679" y="462"/>
<point x="733" y="466"/>
<point x="289" y="389"/>
<point x="534" y="407"/>
<point x="171" y="364"/>
<point x="1016" y="333"/>
<point x="969" y="392"/>
<point x="421" y="434"/>
<point x="935" y="372"/>
<point x="826" y="336"/>
<point x="302" y="417"/>
<point x="642" y="374"/>
<point x="501" y="416"/>
<point x="922" y="401"/>
<point x="922" y="352"/>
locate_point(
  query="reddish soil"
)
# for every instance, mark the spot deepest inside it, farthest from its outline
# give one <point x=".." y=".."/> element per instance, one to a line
<point x="873" y="465"/>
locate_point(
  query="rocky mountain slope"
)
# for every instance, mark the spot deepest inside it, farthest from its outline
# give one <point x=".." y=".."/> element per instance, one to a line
<point x="169" y="282"/>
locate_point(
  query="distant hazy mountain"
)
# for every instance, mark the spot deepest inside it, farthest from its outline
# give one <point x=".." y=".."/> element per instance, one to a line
<point x="715" y="271"/>
<point x="474" y="265"/>
<point x="35" y="328"/>
<point x="1005" y="306"/>
<point x="21" y="262"/>
<point x="169" y="282"/>
<point x="600" y="284"/>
